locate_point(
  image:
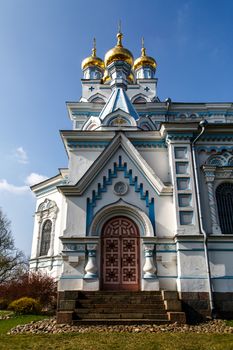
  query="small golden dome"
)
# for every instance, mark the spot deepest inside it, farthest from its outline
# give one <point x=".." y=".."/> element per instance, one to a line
<point x="106" y="77"/>
<point x="144" y="60"/>
<point x="118" y="53"/>
<point x="93" y="60"/>
<point x="131" y="78"/>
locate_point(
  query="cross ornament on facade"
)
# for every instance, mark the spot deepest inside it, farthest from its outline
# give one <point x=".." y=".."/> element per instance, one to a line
<point x="147" y="89"/>
<point x="91" y="88"/>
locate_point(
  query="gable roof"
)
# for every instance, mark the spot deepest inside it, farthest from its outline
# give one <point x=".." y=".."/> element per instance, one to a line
<point x="120" y="140"/>
<point x="118" y="100"/>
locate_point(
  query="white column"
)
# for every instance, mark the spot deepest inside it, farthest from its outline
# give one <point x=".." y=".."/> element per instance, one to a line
<point x="91" y="266"/>
<point x="149" y="268"/>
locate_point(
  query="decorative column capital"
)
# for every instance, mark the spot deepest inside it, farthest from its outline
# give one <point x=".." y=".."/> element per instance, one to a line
<point x="91" y="247"/>
<point x="209" y="172"/>
<point x="149" y="250"/>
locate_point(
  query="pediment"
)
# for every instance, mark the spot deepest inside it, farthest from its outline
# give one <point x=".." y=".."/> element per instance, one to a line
<point x="128" y="151"/>
<point x="119" y="118"/>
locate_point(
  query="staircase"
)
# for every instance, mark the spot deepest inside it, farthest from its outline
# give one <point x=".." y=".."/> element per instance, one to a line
<point x="103" y="307"/>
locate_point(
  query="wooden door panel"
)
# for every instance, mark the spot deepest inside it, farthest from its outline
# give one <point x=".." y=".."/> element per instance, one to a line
<point x="120" y="255"/>
<point x="112" y="261"/>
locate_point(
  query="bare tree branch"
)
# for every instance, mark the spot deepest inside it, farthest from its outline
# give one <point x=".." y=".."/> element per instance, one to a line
<point x="12" y="260"/>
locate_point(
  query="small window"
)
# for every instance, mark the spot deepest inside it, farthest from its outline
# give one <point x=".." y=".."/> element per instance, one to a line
<point x="98" y="100"/>
<point x="140" y="100"/>
<point x="45" y="237"/>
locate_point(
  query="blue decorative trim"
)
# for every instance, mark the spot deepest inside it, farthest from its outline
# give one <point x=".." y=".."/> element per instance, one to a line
<point x="166" y="276"/>
<point x="215" y="148"/>
<point x="217" y="112"/>
<point x="179" y="136"/>
<point x="196" y="242"/>
<point x="217" y="137"/>
<point x="220" y="242"/>
<point x="220" y="250"/>
<point x="191" y="278"/>
<point x="191" y="250"/>
<point x="86" y="113"/>
<point x="223" y="278"/>
<point x="87" y="144"/>
<point x="166" y="251"/>
<point x="107" y="180"/>
<point x="165" y="243"/>
<point x="70" y="277"/>
<point x="150" y="144"/>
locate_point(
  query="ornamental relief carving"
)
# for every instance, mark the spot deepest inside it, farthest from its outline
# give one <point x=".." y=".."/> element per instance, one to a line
<point x="121" y="188"/>
<point x="221" y="160"/>
<point x="224" y="174"/>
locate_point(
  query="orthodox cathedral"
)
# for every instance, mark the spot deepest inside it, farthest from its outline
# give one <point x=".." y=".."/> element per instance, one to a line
<point x="145" y="206"/>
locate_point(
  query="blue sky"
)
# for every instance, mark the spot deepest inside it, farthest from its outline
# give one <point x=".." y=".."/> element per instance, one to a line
<point x="42" y="44"/>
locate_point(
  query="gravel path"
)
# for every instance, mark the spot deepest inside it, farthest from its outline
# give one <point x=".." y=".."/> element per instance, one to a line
<point x="50" y="326"/>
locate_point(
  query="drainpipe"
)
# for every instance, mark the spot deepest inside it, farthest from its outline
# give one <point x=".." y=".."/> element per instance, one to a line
<point x="202" y="124"/>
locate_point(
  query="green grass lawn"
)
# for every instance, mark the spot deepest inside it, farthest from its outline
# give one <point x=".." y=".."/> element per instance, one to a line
<point x="108" y="341"/>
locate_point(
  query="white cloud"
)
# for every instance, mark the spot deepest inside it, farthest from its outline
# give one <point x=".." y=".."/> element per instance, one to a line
<point x="34" y="178"/>
<point x="30" y="180"/>
<point x="7" y="187"/>
<point x="21" y="155"/>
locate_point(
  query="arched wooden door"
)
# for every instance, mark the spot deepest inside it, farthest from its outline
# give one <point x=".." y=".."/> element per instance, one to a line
<point x="120" y="255"/>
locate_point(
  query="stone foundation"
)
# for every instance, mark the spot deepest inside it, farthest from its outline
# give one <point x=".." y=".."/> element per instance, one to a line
<point x="197" y="307"/>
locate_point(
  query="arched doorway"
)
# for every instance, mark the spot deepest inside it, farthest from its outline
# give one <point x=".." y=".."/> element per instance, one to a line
<point x="120" y="255"/>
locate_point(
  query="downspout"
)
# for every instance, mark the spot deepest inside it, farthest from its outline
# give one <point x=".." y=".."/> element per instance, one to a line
<point x="202" y="124"/>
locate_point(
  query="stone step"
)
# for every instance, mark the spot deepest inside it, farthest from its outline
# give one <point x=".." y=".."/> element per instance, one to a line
<point x="111" y="322"/>
<point x="159" y="306"/>
<point x="102" y="303"/>
<point x="108" y="310"/>
<point x="125" y="300"/>
<point x="128" y="315"/>
<point x="106" y="292"/>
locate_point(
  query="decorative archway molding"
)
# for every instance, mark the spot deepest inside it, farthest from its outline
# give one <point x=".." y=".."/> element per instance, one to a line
<point x="47" y="210"/>
<point x="121" y="208"/>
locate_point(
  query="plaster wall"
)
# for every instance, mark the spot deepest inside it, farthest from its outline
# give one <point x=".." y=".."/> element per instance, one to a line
<point x="80" y="161"/>
<point x="158" y="160"/>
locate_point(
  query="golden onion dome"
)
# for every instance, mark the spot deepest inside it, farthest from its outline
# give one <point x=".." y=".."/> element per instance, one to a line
<point x="144" y="60"/>
<point x="93" y="60"/>
<point x="118" y="53"/>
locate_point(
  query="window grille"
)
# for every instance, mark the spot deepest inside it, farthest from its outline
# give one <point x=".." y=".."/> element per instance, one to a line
<point x="224" y="197"/>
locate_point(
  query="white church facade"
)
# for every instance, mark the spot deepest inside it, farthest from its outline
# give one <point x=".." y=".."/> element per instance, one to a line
<point x="146" y="202"/>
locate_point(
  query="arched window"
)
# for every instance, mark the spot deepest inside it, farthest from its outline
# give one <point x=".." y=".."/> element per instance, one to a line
<point x="97" y="100"/>
<point x="45" y="237"/>
<point x="224" y="197"/>
<point x="140" y="100"/>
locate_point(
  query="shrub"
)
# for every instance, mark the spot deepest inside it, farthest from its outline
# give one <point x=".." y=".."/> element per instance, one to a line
<point x="3" y="303"/>
<point x="25" y="306"/>
<point x="34" y="285"/>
